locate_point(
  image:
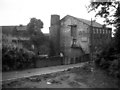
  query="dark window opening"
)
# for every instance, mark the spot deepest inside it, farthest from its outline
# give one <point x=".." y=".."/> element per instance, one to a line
<point x="74" y="43"/>
<point x="73" y="30"/>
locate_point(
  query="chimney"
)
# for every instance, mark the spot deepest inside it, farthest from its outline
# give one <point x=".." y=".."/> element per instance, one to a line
<point x="55" y="19"/>
<point x="55" y="33"/>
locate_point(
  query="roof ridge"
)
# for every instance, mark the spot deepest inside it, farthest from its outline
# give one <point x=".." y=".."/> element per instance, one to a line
<point x="85" y="21"/>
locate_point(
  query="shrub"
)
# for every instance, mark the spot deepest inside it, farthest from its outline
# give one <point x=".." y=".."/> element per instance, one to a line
<point x="104" y="64"/>
<point x="15" y="58"/>
<point x="109" y="60"/>
<point x="114" y="68"/>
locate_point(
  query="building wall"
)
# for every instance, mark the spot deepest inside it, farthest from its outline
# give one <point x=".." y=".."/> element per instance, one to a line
<point x="8" y="30"/>
<point x="13" y="35"/>
<point x="66" y="38"/>
<point x="101" y="37"/>
<point x="0" y="37"/>
<point x="60" y="34"/>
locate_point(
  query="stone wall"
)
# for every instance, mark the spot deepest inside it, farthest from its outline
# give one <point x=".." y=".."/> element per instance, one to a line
<point x="63" y="37"/>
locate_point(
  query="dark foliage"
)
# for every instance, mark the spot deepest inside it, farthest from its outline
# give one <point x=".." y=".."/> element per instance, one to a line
<point x="117" y="30"/>
<point x="34" y="25"/>
<point x="15" y="58"/>
<point x="37" y="38"/>
<point x="109" y="60"/>
<point x="104" y="9"/>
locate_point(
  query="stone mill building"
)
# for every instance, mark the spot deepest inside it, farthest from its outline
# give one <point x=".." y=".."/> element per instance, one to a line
<point x="76" y="37"/>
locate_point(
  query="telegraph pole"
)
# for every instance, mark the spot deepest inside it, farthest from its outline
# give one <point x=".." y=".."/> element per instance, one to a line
<point x="91" y="40"/>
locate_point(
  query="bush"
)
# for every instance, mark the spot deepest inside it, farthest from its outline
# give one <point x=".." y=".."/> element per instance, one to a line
<point x="15" y="58"/>
<point x="114" y="68"/>
<point x="109" y="60"/>
<point x="104" y="64"/>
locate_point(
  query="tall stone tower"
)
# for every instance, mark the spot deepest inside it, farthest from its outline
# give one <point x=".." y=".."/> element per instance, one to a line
<point x="55" y="35"/>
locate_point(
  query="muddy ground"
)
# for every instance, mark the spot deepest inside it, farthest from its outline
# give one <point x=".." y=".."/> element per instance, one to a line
<point x="84" y="77"/>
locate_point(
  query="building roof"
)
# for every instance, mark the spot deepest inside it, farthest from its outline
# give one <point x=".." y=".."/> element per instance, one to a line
<point x="7" y="29"/>
<point x="21" y="28"/>
<point x="10" y="29"/>
<point x="94" y="24"/>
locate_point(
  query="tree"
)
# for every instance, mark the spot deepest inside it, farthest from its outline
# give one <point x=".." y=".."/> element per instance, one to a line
<point x="36" y="36"/>
<point x="110" y="11"/>
<point x="34" y="25"/>
<point x="109" y="59"/>
<point x="117" y="25"/>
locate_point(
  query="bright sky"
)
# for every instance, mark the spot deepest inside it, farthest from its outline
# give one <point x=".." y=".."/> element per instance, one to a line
<point x="16" y="12"/>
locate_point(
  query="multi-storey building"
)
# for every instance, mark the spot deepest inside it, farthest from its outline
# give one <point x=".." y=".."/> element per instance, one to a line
<point x="76" y="37"/>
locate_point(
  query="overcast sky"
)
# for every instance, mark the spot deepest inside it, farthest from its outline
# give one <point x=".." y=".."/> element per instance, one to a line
<point x="16" y="12"/>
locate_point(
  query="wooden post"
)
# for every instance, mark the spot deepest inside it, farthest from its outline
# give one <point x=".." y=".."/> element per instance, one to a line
<point x="91" y="40"/>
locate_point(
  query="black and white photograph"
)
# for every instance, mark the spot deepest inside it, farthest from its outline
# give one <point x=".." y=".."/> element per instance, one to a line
<point x="51" y="44"/>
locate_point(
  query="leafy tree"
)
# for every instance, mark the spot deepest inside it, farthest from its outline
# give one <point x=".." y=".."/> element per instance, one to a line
<point x="110" y="11"/>
<point x="15" y="58"/>
<point x="36" y="36"/>
<point x="117" y="25"/>
<point x="109" y="58"/>
<point x="104" y="9"/>
<point x="34" y="25"/>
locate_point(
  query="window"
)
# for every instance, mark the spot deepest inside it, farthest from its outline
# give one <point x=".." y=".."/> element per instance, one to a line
<point x="100" y="30"/>
<point x="110" y="31"/>
<point x="97" y="30"/>
<point x="106" y="32"/>
<point x="73" y="30"/>
<point x="74" y="43"/>
<point x="103" y="31"/>
<point x="93" y="30"/>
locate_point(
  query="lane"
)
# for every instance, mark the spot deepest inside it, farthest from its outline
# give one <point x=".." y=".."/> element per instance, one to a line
<point x="37" y="71"/>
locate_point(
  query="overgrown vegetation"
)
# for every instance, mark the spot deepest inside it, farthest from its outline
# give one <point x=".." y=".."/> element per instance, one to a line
<point x="109" y="58"/>
<point x="37" y="38"/>
<point x="15" y="58"/>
